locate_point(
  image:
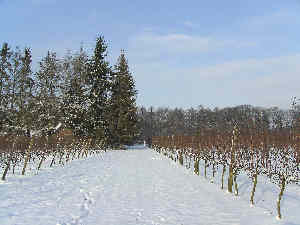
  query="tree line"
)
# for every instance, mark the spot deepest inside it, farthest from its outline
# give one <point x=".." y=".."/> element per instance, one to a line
<point x="82" y="91"/>
<point x="165" y="121"/>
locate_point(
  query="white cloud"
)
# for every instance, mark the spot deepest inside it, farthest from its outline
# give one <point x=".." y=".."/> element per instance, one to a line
<point x="279" y="17"/>
<point x="261" y="82"/>
<point x="190" y="24"/>
<point x="156" y="45"/>
<point x="273" y="24"/>
<point x="259" y="67"/>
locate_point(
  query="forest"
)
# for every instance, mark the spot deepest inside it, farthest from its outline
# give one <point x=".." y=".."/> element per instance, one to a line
<point x="80" y="91"/>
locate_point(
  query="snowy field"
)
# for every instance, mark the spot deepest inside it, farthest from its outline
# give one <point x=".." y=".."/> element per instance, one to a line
<point x="137" y="186"/>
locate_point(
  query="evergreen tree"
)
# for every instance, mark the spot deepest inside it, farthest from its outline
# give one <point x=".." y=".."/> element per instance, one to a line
<point x="47" y="102"/>
<point x="13" y="88"/>
<point x="5" y="67"/>
<point x="98" y="79"/>
<point x="75" y="110"/>
<point x="25" y="92"/>
<point x="14" y="78"/>
<point x="123" y="111"/>
<point x="76" y="102"/>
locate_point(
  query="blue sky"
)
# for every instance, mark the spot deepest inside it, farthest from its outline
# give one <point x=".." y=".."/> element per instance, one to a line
<point x="181" y="53"/>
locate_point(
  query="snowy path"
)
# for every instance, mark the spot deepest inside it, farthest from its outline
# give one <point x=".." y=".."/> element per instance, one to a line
<point x="125" y="187"/>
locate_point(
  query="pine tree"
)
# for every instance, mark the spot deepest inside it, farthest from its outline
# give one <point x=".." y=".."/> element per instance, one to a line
<point x="98" y="79"/>
<point x="123" y="111"/>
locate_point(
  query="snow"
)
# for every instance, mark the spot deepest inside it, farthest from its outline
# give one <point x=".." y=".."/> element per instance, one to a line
<point x="38" y="132"/>
<point x="58" y="126"/>
<point x="136" y="186"/>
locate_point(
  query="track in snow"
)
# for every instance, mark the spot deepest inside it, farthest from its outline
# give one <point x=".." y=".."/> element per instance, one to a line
<point x="119" y="188"/>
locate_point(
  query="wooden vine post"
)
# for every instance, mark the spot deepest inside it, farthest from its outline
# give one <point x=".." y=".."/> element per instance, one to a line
<point x="232" y="159"/>
<point x="27" y="156"/>
<point x="283" y="184"/>
<point x="255" y="174"/>
<point x="9" y="161"/>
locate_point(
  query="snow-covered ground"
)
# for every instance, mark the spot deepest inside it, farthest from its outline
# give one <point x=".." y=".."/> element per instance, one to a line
<point x="137" y="186"/>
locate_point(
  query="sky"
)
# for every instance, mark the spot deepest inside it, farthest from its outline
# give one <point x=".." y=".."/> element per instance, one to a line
<point x="181" y="53"/>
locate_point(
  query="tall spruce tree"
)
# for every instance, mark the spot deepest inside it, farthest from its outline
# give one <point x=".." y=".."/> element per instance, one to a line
<point x="24" y="92"/>
<point x="76" y="102"/>
<point x="47" y="102"/>
<point x="5" y="67"/>
<point x="98" y="78"/>
<point x="123" y="111"/>
<point x="14" y="89"/>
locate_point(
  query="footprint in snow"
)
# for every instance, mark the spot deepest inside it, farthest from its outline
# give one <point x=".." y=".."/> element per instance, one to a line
<point x="84" y="209"/>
